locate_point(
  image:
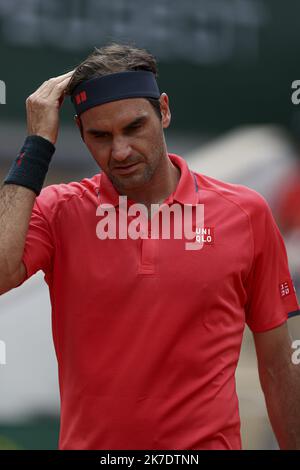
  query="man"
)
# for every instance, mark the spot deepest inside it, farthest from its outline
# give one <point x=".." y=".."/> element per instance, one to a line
<point x="147" y="333"/>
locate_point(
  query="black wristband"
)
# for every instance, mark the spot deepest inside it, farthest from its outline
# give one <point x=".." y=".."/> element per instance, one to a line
<point x="31" y="165"/>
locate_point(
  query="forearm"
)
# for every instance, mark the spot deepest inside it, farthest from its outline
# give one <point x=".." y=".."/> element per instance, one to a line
<point x="281" y="387"/>
<point x="16" y="203"/>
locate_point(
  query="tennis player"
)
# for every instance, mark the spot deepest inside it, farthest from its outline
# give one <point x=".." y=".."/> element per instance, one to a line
<point x="147" y="333"/>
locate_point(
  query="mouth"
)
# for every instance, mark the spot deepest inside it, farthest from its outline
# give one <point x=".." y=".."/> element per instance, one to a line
<point x="124" y="170"/>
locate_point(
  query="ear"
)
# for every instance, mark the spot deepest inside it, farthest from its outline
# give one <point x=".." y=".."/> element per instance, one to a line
<point x="165" y="110"/>
<point x="79" y="125"/>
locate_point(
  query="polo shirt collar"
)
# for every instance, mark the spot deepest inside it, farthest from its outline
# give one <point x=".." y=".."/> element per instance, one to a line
<point x="186" y="191"/>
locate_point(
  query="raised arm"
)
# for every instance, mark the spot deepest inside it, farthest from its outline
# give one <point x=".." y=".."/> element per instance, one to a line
<point x="26" y="177"/>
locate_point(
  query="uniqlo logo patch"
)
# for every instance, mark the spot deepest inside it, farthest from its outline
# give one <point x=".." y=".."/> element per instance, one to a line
<point x="285" y="289"/>
<point x="205" y="235"/>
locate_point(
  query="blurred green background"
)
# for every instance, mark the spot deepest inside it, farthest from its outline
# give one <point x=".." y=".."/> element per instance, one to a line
<point x="223" y="62"/>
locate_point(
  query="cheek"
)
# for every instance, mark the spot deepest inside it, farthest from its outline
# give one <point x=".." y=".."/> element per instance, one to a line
<point x="100" y="152"/>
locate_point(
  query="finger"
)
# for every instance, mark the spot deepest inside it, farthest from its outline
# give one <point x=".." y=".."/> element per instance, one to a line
<point x="63" y="76"/>
<point x="51" y="82"/>
<point x="54" y="89"/>
<point x="66" y="73"/>
<point x="61" y="100"/>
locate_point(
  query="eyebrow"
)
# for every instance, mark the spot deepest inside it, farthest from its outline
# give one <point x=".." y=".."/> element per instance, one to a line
<point x="138" y="120"/>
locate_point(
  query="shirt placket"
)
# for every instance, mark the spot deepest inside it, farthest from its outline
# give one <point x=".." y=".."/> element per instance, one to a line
<point x="148" y="261"/>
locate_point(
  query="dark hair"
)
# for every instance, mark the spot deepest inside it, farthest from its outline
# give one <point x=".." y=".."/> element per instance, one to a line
<point x="114" y="58"/>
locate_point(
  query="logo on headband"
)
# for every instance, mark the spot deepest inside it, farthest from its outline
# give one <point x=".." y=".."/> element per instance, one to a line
<point x="81" y="97"/>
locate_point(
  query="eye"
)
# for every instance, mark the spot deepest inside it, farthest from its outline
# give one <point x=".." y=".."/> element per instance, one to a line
<point x="136" y="126"/>
<point x="102" y="135"/>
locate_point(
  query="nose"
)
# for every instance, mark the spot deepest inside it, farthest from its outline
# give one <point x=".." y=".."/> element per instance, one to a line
<point x="120" y="149"/>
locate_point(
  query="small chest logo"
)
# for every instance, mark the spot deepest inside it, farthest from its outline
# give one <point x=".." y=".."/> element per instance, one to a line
<point x="202" y="236"/>
<point x="205" y="235"/>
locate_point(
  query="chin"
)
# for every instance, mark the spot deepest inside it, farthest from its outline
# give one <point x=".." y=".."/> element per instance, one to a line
<point x="129" y="182"/>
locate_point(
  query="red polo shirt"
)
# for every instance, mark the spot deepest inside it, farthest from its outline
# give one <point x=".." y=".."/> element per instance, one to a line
<point x="147" y="333"/>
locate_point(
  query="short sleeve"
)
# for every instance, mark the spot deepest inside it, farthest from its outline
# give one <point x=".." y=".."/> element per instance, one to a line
<point x="39" y="244"/>
<point x="271" y="296"/>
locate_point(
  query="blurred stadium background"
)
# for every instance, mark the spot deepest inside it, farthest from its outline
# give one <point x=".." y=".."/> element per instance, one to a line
<point x="228" y="67"/>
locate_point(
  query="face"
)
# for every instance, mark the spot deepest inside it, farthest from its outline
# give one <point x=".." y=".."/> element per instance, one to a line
<point x="126" y="139"/>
